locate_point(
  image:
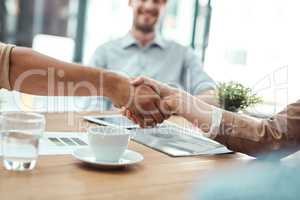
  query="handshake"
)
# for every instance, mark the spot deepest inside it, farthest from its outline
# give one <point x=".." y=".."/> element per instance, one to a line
<point x="149" y="102"/>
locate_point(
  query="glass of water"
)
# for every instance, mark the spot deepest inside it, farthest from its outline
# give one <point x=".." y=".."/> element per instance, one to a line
<point x="21" y="132"/>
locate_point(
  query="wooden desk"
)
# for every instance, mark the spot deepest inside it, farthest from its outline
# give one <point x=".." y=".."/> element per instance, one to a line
<point x="157" y="177"/>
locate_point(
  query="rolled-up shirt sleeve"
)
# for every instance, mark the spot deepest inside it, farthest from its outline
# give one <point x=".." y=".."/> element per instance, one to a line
<point x="5" y="51"/>
<point x="195" y="79"/>
<point x="279" y="135"/>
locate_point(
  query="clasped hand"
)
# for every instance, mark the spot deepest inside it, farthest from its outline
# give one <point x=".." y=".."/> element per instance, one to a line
<point x="153" y="102"/>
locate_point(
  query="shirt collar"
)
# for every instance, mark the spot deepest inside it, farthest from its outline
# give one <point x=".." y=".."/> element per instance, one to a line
<point x="129" y="41"/>
<point x="159" y="41"/>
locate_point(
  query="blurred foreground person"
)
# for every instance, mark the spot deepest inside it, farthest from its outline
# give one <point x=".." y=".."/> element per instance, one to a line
<point x="263" y="181"/>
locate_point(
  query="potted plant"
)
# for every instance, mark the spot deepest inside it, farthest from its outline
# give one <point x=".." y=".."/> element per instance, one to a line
<point x="235" y="97"/>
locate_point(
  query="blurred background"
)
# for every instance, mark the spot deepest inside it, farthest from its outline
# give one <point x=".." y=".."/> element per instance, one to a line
<point x="255" y="42"/>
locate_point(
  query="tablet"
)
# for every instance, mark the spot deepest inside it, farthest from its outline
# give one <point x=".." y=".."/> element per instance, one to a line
<point x="112" y="120"/>
<point x="115" y="120"/>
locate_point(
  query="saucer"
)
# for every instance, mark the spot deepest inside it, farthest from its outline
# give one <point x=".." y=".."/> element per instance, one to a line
<point x="128" y="158"/>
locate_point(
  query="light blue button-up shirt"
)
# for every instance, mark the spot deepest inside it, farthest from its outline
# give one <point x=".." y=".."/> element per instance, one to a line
<point x="163" y="60"/>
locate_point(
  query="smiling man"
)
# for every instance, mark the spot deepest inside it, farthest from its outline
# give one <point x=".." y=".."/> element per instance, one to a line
<point x="143" y="51"/>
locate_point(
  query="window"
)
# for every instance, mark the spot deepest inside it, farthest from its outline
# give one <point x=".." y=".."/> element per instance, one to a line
<point x="178" y="21"/>
<point x="43" y="25"/>
<point x="22" y="21"/>
<point x="251" y="41"/>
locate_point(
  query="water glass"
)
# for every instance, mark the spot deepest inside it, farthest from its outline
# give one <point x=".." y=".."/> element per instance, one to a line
<point x="21" y="132"/>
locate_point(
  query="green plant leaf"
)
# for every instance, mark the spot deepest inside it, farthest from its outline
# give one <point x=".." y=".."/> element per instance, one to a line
<point x="233" y="96"/>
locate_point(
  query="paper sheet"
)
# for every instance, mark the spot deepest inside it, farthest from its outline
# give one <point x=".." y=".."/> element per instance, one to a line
<point x="60" y="143"/>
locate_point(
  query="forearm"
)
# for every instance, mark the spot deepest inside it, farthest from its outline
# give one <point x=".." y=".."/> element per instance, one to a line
<point x="255" y="137"/>
<point x="209" y="96"/>
<point x="238" y="133"/>
<point x="191" y="108"/>
<point x="243" y="133"/>
<point x="37" y="74"/>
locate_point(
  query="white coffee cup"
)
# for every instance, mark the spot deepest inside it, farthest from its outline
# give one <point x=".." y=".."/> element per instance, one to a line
<point x="108" y="143"/>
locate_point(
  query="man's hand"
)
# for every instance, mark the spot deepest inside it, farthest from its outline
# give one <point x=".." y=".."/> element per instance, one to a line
<point x="146" y="106"/>
<point x="176" y="101"/>
<point x="141" y="100"/>
<point x="161" y="90"/>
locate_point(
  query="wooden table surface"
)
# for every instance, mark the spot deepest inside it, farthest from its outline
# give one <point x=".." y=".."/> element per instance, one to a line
<point x="157" y="177"/>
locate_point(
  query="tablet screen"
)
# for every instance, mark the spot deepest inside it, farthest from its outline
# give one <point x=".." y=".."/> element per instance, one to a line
<point x="118" y="120"/>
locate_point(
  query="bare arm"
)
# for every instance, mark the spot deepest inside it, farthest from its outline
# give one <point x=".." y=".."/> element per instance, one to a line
<point x="209" y="96"/>
<point x="278" y="135"/>
<point x="33" y="73"/>
<point x="241" y="133"/>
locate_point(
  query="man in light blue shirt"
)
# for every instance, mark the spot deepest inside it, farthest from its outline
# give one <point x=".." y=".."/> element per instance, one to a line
<point x="143" y="51"/>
